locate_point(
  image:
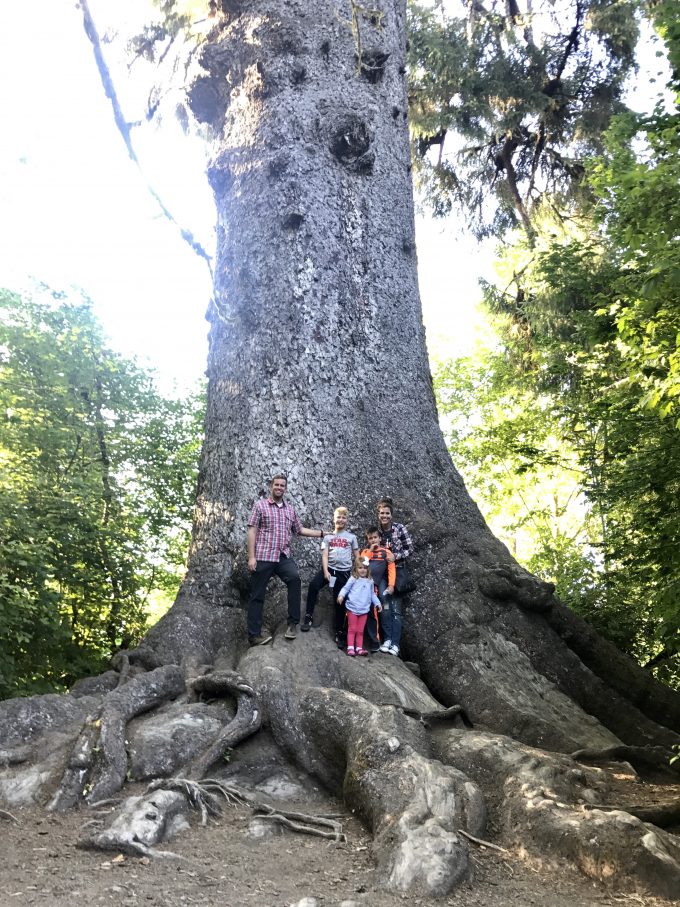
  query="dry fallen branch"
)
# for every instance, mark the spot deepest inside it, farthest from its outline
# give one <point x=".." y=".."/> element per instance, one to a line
<point x="7" y="815"/>
<point x="482" y="842"/>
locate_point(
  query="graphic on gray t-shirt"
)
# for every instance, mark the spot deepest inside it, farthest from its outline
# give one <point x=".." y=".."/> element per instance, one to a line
<point x="341" y="547"/>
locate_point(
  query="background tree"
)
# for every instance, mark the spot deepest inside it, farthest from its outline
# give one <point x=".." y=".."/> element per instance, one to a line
<point x="587" y="352"/>
<point x="98" y="476"/>
<point x="521" y="96"/>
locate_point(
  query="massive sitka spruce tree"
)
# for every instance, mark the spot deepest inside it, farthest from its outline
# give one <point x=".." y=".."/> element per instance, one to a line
<point x="318" y="367"/>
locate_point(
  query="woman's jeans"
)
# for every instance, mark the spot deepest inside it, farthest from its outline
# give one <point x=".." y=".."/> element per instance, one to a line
<point x="391" y="615"/>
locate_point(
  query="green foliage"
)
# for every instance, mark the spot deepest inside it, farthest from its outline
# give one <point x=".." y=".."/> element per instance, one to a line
<point x="97" y="475"/>
<point x="637" y="182"/>
<point x="505" y="440"/>
<point x="521" y="99"/>
<point x="576" y="398"/>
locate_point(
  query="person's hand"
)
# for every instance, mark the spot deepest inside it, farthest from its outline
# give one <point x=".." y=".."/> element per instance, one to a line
<point x="389" y="590"/>
<point x="341" y="599"/>
<point x="252" y="564"/>
<point x="390" y="557"/>
<point x="327" y="576"/>
<point x="378" y="608"/>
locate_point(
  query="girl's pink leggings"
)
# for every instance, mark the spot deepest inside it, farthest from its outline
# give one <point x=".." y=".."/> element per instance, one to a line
<point x="355" y="629"/>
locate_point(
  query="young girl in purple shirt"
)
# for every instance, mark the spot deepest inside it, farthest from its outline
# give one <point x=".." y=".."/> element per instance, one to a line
<point x="358" y="595"/>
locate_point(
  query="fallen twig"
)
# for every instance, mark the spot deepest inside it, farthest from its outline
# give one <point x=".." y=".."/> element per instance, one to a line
<point x="7" y="815"/>
<point x="482" y="842"/>
<point x="112" y="801"/>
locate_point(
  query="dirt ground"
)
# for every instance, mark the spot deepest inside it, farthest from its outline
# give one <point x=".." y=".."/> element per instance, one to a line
<point x="225" y="863"/>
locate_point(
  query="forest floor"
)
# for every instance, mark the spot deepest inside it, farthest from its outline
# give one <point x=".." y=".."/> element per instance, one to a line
<point x="237" y="862"/>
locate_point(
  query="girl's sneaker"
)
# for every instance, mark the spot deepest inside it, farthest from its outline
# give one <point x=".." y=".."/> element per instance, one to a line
<point x="362" y="652"/>
<point x="350" y="651"/>
<point x="394" y="649"/>
<point x="386" y="646"/>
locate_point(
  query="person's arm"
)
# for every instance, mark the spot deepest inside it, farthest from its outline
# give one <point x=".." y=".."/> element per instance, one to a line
<point x="406" y="542"/>
<point x="391" y="574"/>
<point x="376" y="601"/>
<point x="251" y="537"/>
<point x="345" y="589"/>
<point x="311" y="533"/>
<point x="254" y="524"/>
<point x="324" y="562"/>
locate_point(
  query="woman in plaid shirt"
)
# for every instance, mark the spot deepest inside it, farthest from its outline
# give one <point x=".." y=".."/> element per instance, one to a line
<point x="396" y="538"/>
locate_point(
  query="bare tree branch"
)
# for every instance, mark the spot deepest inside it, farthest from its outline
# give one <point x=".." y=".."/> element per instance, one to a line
<point x="125" y="132"/>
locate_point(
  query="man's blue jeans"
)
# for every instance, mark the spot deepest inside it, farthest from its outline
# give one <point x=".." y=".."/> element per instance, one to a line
<point x="287" y="571"/>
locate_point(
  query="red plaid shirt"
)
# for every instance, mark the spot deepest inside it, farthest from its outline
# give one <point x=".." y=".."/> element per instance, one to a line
<point x="274" y="526"/>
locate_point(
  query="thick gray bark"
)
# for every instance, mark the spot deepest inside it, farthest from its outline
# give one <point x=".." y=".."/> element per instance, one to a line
<point x="318" y="367"/>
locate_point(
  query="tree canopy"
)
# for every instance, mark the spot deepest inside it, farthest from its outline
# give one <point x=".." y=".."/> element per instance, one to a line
<point x="515" y="99"/>
<point x="584" y="376"/>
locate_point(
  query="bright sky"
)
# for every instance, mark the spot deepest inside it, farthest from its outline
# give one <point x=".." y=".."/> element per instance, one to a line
<point x="77" y="213"/>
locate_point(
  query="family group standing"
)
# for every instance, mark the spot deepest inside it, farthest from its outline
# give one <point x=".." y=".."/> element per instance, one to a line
<point x="364" y="584"/>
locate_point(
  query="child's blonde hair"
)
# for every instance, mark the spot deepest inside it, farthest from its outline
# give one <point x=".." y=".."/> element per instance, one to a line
<point x="360" y="562"/>
<point x="341" y="510"/>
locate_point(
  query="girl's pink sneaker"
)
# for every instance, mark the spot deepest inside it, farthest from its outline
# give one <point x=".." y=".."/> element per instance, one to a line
<point x="362" y="652"/>
<point x="350" y="651"/>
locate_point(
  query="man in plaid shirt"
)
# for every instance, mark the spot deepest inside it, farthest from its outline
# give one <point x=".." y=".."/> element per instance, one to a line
<point x="270" y="526"/>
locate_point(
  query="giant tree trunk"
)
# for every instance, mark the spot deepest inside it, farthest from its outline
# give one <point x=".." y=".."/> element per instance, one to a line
<point x="318" y="367"/>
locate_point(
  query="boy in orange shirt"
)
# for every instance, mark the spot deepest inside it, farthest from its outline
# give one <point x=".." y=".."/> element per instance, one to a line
<point x="384" y="575"/>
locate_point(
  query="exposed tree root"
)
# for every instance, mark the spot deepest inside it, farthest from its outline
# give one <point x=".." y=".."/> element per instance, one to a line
<point x="145" y="821"/>
<point x="140" y="824"/>
<point x="637" y="756"/>
<point x="4" y="814"/>
<point x="368" y="730"/>
<point x="378" y="758"/>
<point x="451" y="714"/>
<point x="247" y="721"/>
<point x="302" y="822"/>
<point x="549" y="809"/>
<point x="205" y="795"/>
<point x="98" y="763"/>
<point x="663" y="815"/>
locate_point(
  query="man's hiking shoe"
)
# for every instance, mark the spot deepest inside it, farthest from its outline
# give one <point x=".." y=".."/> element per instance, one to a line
<point x="306" y="623"/>
<point x="261" y="640"/>
<point x="291" y="631"/>
<point x="340" y="641"/>
<point x="374" y="647"/>
<point x="386" y="646"/>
